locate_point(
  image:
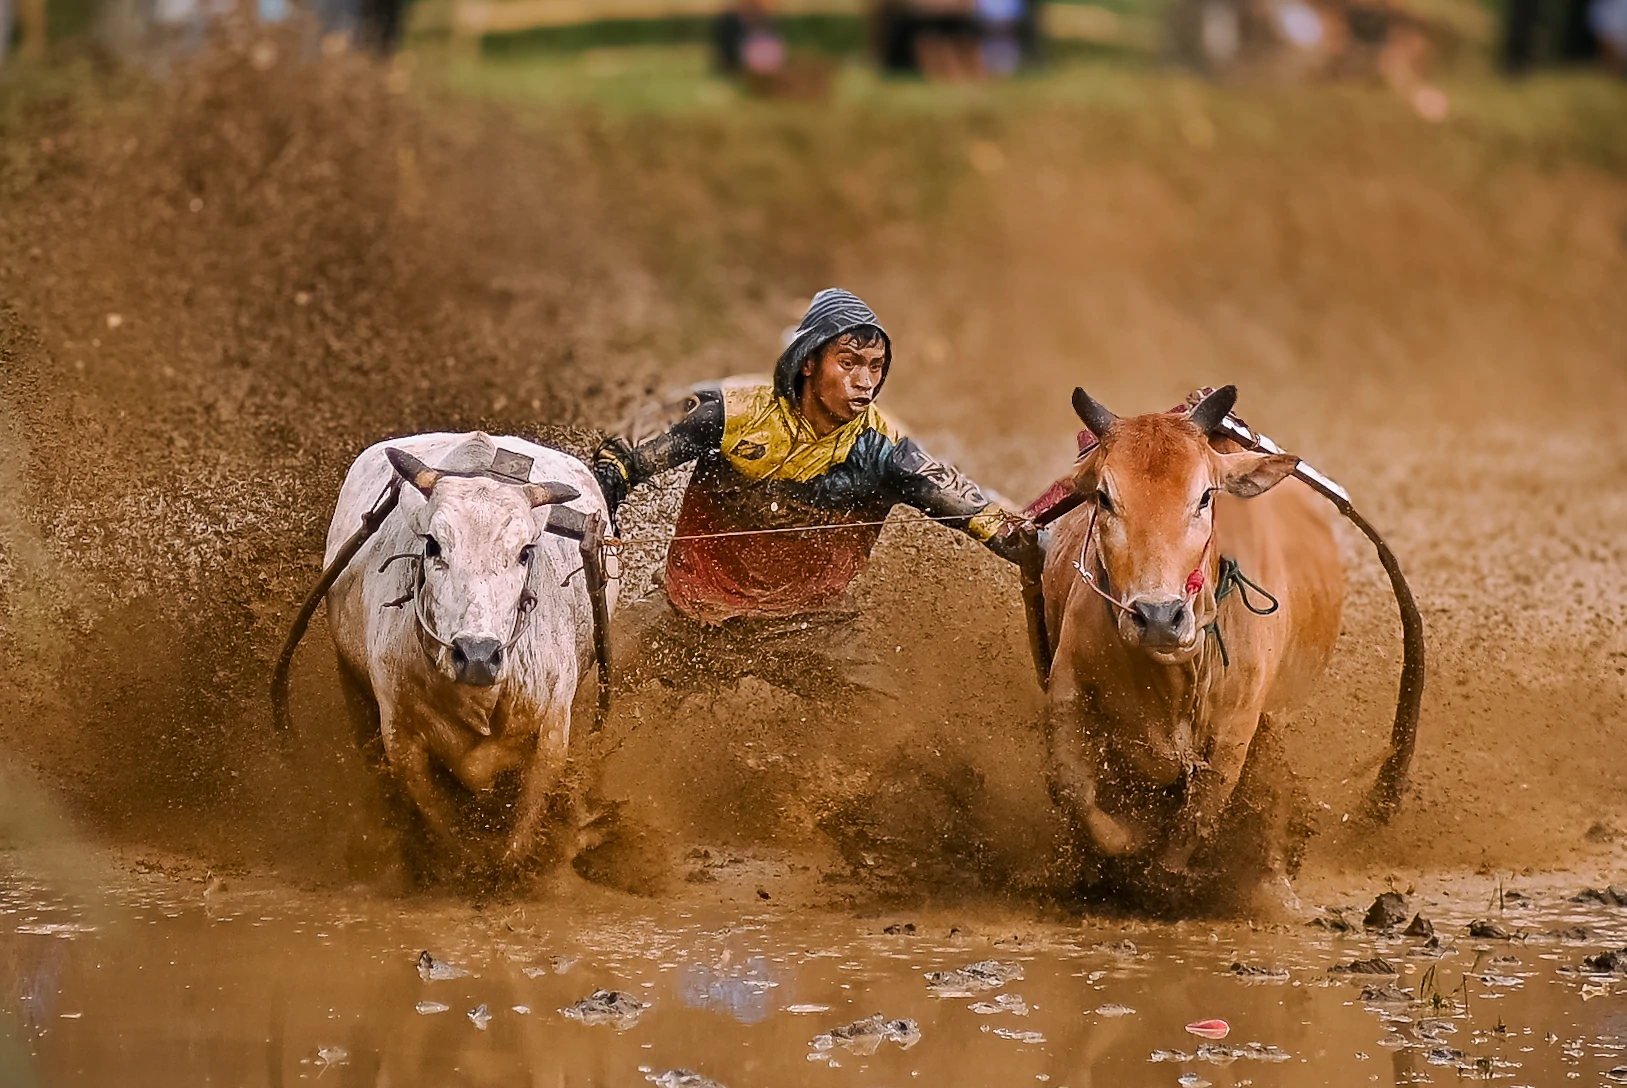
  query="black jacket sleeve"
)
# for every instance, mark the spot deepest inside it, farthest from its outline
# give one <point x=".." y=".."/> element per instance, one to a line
<point x="939" y="490"/>
<point x="619" y="466"/>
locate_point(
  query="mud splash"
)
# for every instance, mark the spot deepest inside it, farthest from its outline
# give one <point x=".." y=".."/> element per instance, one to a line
<point x="218" y="291"/>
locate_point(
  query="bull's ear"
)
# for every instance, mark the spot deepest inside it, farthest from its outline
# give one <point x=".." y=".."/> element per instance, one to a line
<point x="1249" y="474"/>
<point x="412" y="470"/>
<point x="1086" y="475"/>
<point x="550" y="494"/>
<point x="1207" y="414"/>
<point x="1092" y="414"/>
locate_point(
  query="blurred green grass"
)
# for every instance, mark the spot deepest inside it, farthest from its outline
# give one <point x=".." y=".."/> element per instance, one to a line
<point x="1553" y="117"/>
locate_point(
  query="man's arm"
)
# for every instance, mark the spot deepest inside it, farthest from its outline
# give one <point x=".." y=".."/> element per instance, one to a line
<point x="620" y="466"/>
<point x="939" y="490"/>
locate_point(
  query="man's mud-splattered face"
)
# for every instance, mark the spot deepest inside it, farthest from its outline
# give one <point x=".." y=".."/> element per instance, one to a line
<point x="840" y="382"/>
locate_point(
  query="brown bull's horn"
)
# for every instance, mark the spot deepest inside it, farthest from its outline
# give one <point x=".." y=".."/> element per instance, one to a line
<point x="1208" y="414"/>
<point x="550" y="493"/>
<point x="412" y="470"/>
<point x="1092" y="414"/>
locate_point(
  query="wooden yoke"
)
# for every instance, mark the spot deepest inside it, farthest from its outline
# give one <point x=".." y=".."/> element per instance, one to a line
<point x="588" y="531"/>
<point x="593" y="571"/>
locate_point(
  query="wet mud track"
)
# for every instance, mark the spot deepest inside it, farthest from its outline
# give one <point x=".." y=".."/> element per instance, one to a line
<point x="162" y="981"/>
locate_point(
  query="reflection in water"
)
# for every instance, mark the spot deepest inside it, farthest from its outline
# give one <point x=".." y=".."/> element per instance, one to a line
<point x="270" y="987"/>
<point x="741" y="991"/>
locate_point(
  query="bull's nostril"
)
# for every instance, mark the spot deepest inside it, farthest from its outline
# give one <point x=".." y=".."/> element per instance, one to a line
<point x="1158" y="622"/>
<point x="477" y="660"/>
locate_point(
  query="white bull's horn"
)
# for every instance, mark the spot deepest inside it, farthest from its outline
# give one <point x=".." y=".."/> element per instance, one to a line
<point x="550" y="493"/>
<point x="412" y="470"/>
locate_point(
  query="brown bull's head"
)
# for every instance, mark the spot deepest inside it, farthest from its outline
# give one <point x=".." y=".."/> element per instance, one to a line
<point x="1153" y="480"/>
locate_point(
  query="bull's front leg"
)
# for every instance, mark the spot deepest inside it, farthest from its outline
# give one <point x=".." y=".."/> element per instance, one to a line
<point x="1074" y="758"/>
<point x="542" y="775"/>
<point x="409" y="757"/>
<point x="1208" y="790"/>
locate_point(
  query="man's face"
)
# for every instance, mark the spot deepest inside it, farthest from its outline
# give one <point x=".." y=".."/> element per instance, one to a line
<point x="842" y="379"/>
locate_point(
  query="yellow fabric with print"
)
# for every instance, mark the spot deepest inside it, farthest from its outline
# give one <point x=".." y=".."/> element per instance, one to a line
<point x="767" y="436"/>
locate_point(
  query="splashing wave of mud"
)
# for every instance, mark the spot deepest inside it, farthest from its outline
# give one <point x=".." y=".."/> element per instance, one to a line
<point x="219" y="291"/>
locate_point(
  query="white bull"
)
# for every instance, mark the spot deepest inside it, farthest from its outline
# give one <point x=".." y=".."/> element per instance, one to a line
<point x="472" y="641"/>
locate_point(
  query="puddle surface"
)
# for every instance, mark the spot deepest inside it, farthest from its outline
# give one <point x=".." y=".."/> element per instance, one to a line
<point x="158" y="985"/>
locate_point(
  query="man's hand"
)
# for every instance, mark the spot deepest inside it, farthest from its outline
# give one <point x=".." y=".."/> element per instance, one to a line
<point x="610" y="468"/>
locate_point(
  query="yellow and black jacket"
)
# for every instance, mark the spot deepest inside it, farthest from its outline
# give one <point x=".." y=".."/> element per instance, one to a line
<point x="761" y="466"/>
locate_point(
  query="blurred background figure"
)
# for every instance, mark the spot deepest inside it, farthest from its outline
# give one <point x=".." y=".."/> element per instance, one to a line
<point x="1000" y="26"/>
<point x="748" y="40"/>
<point x="1289" y="40"/>
<point x="954" y="40"/>
<point x="748" y="44"/>
<point x="1569" y="32"/>
<point x="25" y="20"/>
<point x="1608" y="20"/>
<point x="373" y="25"/>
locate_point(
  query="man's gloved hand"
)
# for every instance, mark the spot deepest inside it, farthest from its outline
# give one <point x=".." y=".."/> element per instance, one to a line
<point x="611" y="467"/>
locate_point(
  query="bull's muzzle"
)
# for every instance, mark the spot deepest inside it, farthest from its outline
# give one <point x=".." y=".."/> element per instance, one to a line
<point x="477" y="661"/>
<point x="1161" y="625"/>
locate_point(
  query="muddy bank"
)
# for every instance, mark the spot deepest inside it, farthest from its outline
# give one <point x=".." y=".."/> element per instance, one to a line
<point x="217" y="292"/>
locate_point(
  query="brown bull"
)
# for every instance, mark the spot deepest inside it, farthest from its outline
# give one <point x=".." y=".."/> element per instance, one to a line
<point x="1165" y="664"/>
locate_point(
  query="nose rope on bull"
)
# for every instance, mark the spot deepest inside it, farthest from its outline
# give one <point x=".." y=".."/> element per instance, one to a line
<point x="1088" y="576"/>
<point x="527" y="604"/>
<point x="1229" y="579"/>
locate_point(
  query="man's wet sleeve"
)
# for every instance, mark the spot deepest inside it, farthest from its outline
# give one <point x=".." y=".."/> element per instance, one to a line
<point x="939" y="490"/>
<point x="621" y="466"/>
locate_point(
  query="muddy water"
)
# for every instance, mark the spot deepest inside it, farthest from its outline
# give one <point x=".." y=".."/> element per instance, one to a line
<point x="154" y="980"/>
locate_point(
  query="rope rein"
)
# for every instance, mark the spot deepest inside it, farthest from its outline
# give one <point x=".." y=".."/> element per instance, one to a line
<point x="616" y="541"/>
<point x="527" y="603"/>
<point x="1089" y="577"/>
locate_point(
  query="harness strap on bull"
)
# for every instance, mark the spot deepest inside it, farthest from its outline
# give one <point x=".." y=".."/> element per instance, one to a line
<point x="589" y="532"/>
<point x="1232" y="580"/>
<point x="371" y="521"/>
<point x="1391" y="782"/>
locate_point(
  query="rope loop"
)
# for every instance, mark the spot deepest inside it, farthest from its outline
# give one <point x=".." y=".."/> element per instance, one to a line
<point x="1232" y="579"/>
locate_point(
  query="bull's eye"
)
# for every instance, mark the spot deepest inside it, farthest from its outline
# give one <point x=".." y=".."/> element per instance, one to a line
<point x="527" y="553"/>
<point x="432" y="547"/>
<point x="1103" y="501"/>
<point x="1204" y="500"/>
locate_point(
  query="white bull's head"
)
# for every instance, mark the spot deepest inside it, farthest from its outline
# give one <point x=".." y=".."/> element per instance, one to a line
<point x="479" y="538"/>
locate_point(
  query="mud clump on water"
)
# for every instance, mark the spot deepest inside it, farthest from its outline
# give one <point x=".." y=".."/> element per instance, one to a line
<point x="218" y="291"/>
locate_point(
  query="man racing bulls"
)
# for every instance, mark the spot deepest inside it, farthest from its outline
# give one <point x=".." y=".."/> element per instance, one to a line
<point x="745" y="583"/>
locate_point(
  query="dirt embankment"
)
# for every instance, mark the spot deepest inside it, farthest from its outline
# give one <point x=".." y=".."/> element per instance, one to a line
<point x="218" y="291"/>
